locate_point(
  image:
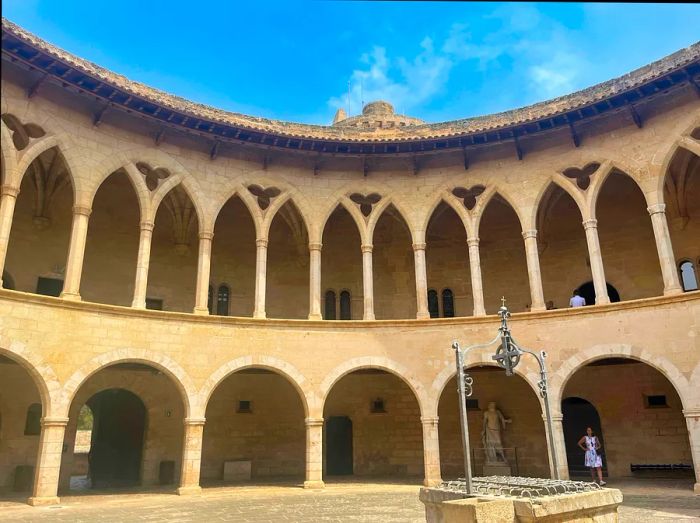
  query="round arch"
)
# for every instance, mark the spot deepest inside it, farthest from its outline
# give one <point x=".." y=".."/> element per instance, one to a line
<point x="280" y="367"/>
<point x="159" y="361"/>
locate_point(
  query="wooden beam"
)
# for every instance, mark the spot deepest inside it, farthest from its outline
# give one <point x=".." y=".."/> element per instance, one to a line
<point x="160" y="135"/>
<point x="416" y="166"/>
<point x="635" y="115"/>
<point x="35" y="87"/>
<point x="214" y="150"/>
<point x="466" y="158"/>
<point x="695" y="84"/>
<point x="97" y="117"/>
<point x="365" y="167"/>
<point x="574" y="135"/>
<point x="265" y="162"/>
<point x="518" y="149"/>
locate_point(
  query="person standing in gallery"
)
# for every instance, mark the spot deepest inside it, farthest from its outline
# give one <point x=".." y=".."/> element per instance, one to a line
<point x="590" y="444"/>
<point x="577" y="300"/>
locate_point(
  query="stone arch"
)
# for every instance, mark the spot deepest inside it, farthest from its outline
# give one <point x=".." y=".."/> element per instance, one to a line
<point x="416" y="235"/>
<point x="663" y="156"/>
<point x="444" y="195"/>
<point x="558" y="181"/>
<point x="9" y="155"/>
<point x="137" y="183"/>
<point x="192" y="191"/>
<point x="276" y="365"/>
<point x="563" y="374"/>
<point x="31" y="153"/>
<point x="381" y="363"/>
<point x="237" y="190"/>
<point x="41" y="372"/>
<point x="486" y="198"/>
<point x="605" y="170"/>
<point x="347" y="204"/>
<point x="172" y="369"/>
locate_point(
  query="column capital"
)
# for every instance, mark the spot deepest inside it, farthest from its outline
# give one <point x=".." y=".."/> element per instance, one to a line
<point x="146" y="226"/>
<point x="692" y="413"/>
<point x="366" y="247"/>
<point x="9" y="190"/>
<point x="315" y="246"/>
<point x="590" y="224"/>
<point x="261" y="242"/>
<point x="429" y="420"/>
<point x="206" y="235"/>
<point x="530" y="233"/>
<point x="54" y="421"/>
<point x="473" y="242"/>
<point x="657" y="208"/>
<point x="419" y="246"/>
<point x="79" y="209"/>
<point x="314" y="422"/>
<point x="193" y="421"/>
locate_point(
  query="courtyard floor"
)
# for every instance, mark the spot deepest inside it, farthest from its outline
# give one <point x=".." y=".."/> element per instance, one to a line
<point x="645" y="501"/>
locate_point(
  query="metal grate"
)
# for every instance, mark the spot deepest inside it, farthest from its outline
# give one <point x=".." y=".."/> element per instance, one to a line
<point x="521" y="487"/>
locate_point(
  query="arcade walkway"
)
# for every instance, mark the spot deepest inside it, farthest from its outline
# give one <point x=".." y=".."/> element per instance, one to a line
<point x="645" y="501"/>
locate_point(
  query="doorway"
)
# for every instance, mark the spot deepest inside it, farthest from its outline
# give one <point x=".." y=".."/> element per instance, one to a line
<point x="116" y="445"/>
<point x="578" y="414"/>
<point x="339" y="449"/>
<point x="587" y="292"/>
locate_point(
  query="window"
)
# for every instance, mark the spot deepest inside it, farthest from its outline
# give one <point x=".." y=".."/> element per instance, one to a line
<point x="222" y="300"/>
<point x="154" y="304"/>
<point x="472" y="404"/>
<point x="329" y="309"/>
<point x="345" y="308"/>
<point x="657" y="401"/>
<point x="689" y="279"/>
<point x="244" y="407"/>
<point x="32" y="426"/>
<point x="433" y="307"/>
<point x="49" y="286"/>
<point x="210" y="299"/>
<point x="377" y="406"/>
<point x="448" y="304"/>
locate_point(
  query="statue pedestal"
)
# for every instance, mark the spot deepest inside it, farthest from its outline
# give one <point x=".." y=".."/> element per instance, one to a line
<point x="496" y="469"/>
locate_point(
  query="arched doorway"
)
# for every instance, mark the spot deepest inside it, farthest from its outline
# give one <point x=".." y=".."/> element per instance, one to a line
<point x="116" y="445"/>
<point x="587" y="292"/>
<point x="640" y="411"/>
<point x="372" y="427"/>
<point x="578" y="415"/>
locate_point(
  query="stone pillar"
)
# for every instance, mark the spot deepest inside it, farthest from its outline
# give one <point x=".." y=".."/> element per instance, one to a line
<point x="421" y="281"/>
<point x="76" y="253"/>
<point x="692" y="419"/>
<point x="367" y="282"/>
<point x="431" y="452"/>
<point x="8" y="199"/>
<point x="314" y="453"/>
<point x="143" y="260"/>
<point x="559" y="445"/>
<point x="665" y="249"/>
<point x="315" y="281"/>
<point x="596" y="258"/>
<point x="201" y="300"/>
<point x="533" y="270"/>
<point x="48" y="462"/>
<point x="475" y="270"/>
<point x="191" y="457"/>
<point x="260" y="277"/>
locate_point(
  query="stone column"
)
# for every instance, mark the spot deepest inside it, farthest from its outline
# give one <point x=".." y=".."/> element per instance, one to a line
<point x="48" y="462"/>
<point x="431" y="452"/>
<point x="597" y="269"/>
<point x="421" y="281"/>
<point x="665" y="249"/>
<point x="191" y="457"/>
<point x="76" y="253"/>
<point x="143" y="260"/>
<point x="692" y="419"/>
<point x="315" y="281"/>
<point x="314" y="453"/>
<point x="533" y="270"/>
<point x="260" y="277"/>
<point x="559" y="445"/>
<point x="475" y="270"/>
<point x="8" y="199"/>
<point x="201" y="300"/>
<point x="367" y="282"/>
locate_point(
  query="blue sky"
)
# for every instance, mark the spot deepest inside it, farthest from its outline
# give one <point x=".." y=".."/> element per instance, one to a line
<point x="293" y="60"/>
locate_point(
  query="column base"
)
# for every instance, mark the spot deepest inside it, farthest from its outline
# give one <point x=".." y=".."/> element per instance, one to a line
<point x="479" y="313"/>
<point x="538" y="308"/>
<point x="70" y="296"/>
<point x="189" y="491"/>
<point x="423" y="316"/>
<point x="368" y="317"/>
<point x="259" y="315"/>
<point x="602" y="301"/>
<point x="427" y="482"/>
<point x="141" y="305"/>
<point x="41" y="501"/>
<point x="696" y="488"/>
<point x="315" y="317"/>
<point x="672" y="291"/>
<point x="201" y="311"/>
<point x="314" y="484"/>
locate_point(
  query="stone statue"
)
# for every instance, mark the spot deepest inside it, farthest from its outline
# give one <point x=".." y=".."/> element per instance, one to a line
<point x="494" y="422"/>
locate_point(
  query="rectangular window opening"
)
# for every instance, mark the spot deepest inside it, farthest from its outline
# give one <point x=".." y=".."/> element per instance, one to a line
<point x="656" y="401"/>
<point x="244" y="407"/>
<point x="377" y="406"/>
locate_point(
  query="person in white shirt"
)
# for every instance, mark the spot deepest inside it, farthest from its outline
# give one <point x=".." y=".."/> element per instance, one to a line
<point x="577" y="300"/>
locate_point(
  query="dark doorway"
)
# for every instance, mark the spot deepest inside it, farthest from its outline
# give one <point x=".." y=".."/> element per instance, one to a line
<point x="587" y="292"/>
<point x="580" y="414"/>
<point x="339" y="448"/>
<point x="117" y="438"/>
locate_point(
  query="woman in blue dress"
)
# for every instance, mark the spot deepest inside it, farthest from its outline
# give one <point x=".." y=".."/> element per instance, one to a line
<point x="590" y="444"/>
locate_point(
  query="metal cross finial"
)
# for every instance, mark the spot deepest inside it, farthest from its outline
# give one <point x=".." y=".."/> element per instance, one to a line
<point x="503" y="301"/>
